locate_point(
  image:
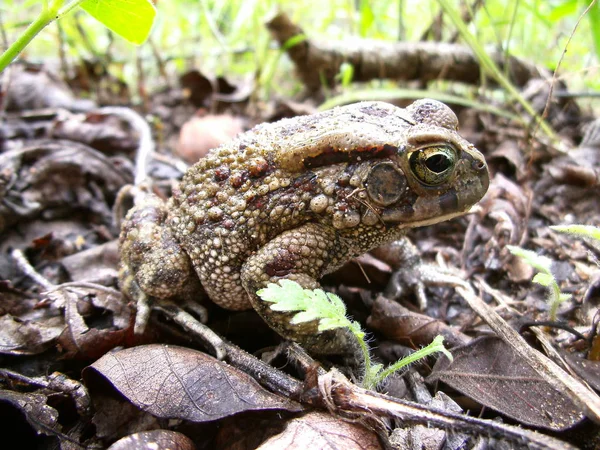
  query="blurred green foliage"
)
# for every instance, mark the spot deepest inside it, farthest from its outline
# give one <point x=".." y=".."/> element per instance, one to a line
<point x="116" y="15"/>
<point x="228" y="37"/>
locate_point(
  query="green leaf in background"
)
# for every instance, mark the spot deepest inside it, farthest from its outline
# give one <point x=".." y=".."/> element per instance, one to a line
<point x="564" y="9"/>
<point x="367" y="18"/>
<point x="294" y="40"/>
<point x="345" y="75"/>
<point x="130" y="19"/>
<point x="583" y="231"/>
<point x="594" y="16"/>
<point x="568" y="8"/>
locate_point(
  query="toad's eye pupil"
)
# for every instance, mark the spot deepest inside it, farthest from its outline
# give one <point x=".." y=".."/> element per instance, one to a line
<point x="438" y="163"/>
<point x="433" y="165"/>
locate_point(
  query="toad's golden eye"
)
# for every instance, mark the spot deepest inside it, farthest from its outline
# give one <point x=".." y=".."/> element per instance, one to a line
<point x="385" y="183"/>
<point x="433" y="165"/>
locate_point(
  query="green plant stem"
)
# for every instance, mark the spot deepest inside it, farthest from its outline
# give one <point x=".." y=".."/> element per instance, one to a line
<point x="435" y="346"/>
<point x="67" y="9"/>
<point x="554" y="301"/>
<point x="368" y="382"/>
<point x="415" y="356"/>
<point x="47" y="15"/>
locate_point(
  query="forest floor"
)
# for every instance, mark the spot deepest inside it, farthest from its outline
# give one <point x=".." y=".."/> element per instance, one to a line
<point x="73" y="368"/>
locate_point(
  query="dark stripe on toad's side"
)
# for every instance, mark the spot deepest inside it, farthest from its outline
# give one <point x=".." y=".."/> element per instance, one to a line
<point x="331" y="155"/>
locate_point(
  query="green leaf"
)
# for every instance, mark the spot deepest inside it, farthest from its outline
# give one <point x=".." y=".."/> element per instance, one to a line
<point x="345" y="75"/>
<point x="539" y="262"/>
<point x="294" y="40"/>
<point x="328" y="309"/>
<point x="562" y="10"/>
<point x="304" y="316"/>
<point x="367" y="18"/>
<point x="130" y="19"/>
<point x="594" y="16"/>
<point x="285" y="296"/>
<point x="564" y="297"/>
<point x="331" y="323"/>
<point x="544" y="279"/>
<point x="584" y="231"/>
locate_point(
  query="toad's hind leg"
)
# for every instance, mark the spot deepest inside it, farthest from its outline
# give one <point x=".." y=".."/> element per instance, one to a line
<point x="152" y="261"/>
<point x="302" y="255"/>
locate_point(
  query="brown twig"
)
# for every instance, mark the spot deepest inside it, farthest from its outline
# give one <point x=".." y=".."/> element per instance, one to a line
<point x="319" y="62"/>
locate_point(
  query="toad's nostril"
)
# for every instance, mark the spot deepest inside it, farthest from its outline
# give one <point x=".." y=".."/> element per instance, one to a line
<point x="478" y="165"/>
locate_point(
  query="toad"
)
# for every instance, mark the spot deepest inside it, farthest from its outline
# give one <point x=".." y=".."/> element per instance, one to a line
<point x="296" y="199"/>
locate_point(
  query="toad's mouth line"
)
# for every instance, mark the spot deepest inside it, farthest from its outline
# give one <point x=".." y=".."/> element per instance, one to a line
<point x="430" y="221"/>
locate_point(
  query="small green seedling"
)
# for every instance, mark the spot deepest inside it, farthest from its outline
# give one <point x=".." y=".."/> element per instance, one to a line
<point x="130" y="19"/>
<point x="545" y="277"/>
<point x="330" y="311"/>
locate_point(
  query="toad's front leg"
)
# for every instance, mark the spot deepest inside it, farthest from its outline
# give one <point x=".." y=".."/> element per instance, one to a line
<point x="303" y="255"/>
<point x="153" y="265"/>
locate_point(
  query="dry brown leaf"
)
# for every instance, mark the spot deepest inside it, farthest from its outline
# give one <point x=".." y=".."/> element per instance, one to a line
<point x="103" y="131"/>
<point x="400" y="324"/>
<point x="155" y="439"/>
<point x="83" y="341"/>
<point x="43" y="418"/>
<point x="176" y="382"/>
<point x="490" y="372"/>
<point x="321" y="431"/>
<point x="24" y="337"/>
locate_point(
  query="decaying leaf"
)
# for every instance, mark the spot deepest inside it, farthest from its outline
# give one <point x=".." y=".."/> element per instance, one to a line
<point x="155" y="439"/>
<point x="42" y="417"/>
<point x="588" y="370"/>
<point x="113" y="321"/>
<point x="115" y="418"/>
<point x="175" y="382"/>
<point x="410" y="436"/>
<point x="26" y="337"/>
<point x="322" y="431"/>
<point x="103" y="131"/>
<point x="95" y="265"/>
<point x="32" y="87"/>
<point x="410" y="328"/>
<point x="54" y="178"/>
<point x="490" y="372"/>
